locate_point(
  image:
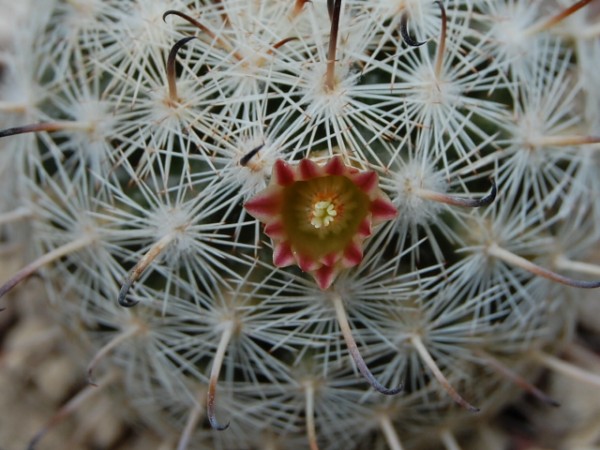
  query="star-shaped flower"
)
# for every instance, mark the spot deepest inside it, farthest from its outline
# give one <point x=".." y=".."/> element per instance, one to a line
<point x="319" y="216"/>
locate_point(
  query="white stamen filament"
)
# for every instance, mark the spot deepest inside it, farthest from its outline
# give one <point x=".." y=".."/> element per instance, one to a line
<point x="323" y="214"/>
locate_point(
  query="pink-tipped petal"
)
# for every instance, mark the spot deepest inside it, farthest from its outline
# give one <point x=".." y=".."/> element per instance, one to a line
<point x="331" y="259"/>
<point x="365" y="229"/>
<point x="265" y="205"/>
<point x="324" y="276"/>
<point x="309" y="169"/>
<point x="275" y="230"/>
<point x="283" y="255"/>
<point x="307" y="264"/>
<point x="353" y="255"/>
<point x="335" y="166"/>
<point x="382" y="209"/>
<point x="367" y="181"/>
<point x="283" y="173"/>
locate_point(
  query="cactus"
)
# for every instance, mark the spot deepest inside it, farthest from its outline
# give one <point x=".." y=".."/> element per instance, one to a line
<point x="427" y="173"/>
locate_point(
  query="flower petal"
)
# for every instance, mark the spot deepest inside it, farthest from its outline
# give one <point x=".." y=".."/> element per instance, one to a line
<point x="283" y="173"/>
<point x="275" y="230"/>
<point x="331" y="259"/>
<point x="283" y="255"/>
<point x="307" y="264"/>
<point x="309" y="169"/>
<point x="265" y="205"/>
<point x="353" y="255"/>
<point x="318" y="216"/>
<point x="382" y="209"/>
<point x="367" y="181"/>
<point x="325" y="276"/>
<point x="365" y="229"/>
<point x="335" y="166"/>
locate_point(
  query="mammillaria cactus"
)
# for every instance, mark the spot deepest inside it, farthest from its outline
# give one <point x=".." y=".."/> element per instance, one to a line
<point x="427" y="173"/>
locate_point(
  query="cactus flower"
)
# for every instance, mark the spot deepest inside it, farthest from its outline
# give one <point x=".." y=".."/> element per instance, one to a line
<point x="319" y="216"/>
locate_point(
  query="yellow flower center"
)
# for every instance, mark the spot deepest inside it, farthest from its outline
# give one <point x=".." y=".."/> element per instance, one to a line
<point x="323" y="214"/>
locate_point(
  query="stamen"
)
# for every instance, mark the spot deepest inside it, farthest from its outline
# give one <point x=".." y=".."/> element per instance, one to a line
<point x="323" y="214"/>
